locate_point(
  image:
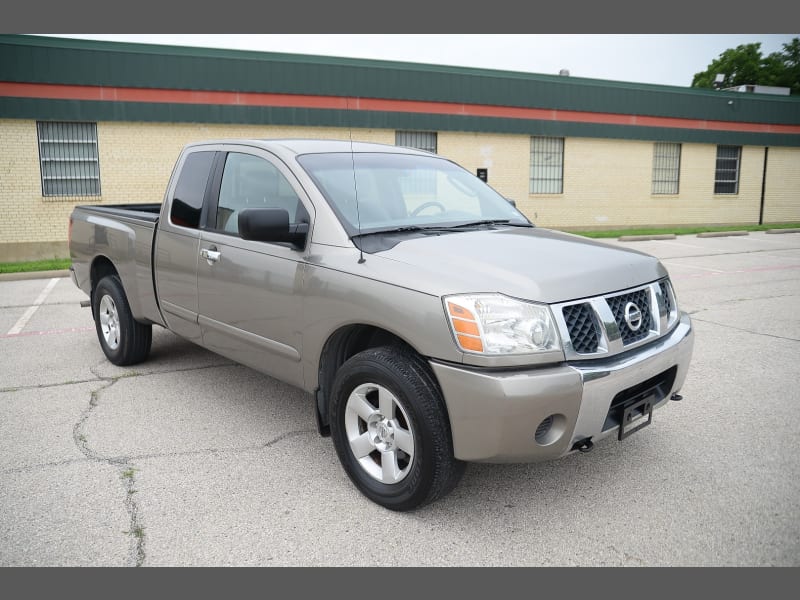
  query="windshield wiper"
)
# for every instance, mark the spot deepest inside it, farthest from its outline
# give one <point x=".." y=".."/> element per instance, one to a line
<point x="404" y="229"/>
<point x="490" y="222"/>
<point x="441" y="228"/>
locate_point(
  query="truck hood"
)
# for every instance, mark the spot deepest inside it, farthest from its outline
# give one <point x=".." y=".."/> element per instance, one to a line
<point x="529" y="263"/>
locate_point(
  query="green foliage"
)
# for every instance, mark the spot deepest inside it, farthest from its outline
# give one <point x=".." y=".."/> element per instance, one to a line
<point x="746" y="65"/>
<point x="56" y="264"/>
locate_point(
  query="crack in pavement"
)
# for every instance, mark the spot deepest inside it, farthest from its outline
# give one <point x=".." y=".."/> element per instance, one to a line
<point x="760" y="333"/>
<point x="126" y="464"/>
<point x="136" y="531"/>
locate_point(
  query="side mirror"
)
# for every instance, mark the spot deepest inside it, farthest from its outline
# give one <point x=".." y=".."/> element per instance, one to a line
<point x="271" y="225"/>
<point x="512" y="202"/>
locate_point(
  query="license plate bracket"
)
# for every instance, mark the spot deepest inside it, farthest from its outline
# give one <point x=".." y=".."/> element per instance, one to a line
<point x="636" y="416"/>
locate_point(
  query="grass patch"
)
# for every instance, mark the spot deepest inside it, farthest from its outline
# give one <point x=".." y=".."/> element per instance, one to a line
<point x="54" y="264"/>
<point x="614" y="233"/>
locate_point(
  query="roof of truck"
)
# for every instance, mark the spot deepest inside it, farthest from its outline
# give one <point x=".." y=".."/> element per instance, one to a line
<point x="313" y="146"/>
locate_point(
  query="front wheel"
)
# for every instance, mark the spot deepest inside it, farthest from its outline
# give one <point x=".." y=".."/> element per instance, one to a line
<point x="391" y="431"/>
<point x="123" y="339"/>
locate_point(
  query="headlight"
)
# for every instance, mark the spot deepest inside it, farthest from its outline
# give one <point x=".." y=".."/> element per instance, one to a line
<point x="497" y="324"/>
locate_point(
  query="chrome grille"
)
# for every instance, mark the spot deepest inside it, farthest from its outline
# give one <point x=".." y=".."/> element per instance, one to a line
<point x="617" y="304"/>
<point x="582" y="328"/>
<point x="596" y="327"/>
<point x="665" y="294"/>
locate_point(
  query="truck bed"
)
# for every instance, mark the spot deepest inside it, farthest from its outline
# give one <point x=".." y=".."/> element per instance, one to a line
<point x="146" y="212"/>
<point x="121" y="235"/>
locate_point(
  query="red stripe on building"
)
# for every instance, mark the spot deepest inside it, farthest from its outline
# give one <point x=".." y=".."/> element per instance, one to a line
<point x="124" y="94"/>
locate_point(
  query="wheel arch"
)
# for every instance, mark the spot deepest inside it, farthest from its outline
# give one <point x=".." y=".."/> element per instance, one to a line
<point x="101" y="267"/>
<point x="342" y="344"/>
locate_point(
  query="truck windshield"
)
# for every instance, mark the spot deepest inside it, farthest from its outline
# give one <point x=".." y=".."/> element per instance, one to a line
<point x="405" y="192"/>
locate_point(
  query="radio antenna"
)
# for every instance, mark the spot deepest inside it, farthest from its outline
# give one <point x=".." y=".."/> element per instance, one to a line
<point x="361" y="258"/>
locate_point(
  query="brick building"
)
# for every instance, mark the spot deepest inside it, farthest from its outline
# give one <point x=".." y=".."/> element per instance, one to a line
<point x="101" y="122"/>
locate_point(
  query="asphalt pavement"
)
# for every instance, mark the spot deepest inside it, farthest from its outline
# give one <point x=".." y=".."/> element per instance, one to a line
<point x="190" y="459"/>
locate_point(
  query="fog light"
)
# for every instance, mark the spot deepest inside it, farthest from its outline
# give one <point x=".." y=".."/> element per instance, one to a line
<point x="543" y="429"/>
<point x="550" y="430"/>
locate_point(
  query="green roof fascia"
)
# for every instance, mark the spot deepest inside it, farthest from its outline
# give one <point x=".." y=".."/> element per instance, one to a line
<point x="37" y="59"/>
<point x="84" y="110"/>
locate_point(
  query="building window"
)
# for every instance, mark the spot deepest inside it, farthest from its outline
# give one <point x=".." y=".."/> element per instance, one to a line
<point x="421" y="140"/>
<point x="547" y="165"/>
<point x="422" y="182"/>
<point x="69" y="159"/>
<point x="726" y="178"/>
<point x="666" y="167"/>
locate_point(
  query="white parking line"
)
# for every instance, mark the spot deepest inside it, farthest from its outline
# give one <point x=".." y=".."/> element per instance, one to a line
<point x="23" y="320"/>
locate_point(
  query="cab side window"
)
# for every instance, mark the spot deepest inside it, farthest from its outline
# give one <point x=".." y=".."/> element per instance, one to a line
<point x="187" y="202"/>
<point x="252" y="182"/>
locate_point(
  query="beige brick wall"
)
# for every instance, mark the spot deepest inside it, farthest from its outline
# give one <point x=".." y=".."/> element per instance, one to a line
<point x="607" y="183"/>
<point x="507" y="158"/>
<point x="136" y="160"/>
<point x="782" y="192"/>
<point x="25" y="216"/>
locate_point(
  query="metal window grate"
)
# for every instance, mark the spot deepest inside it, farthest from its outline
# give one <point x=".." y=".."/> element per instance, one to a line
<point x="69" y="159"/>
<point x="547" y="165"/>
<point x="666" y="167"/>
<point x="421" y="140"/>
<point x="421" y="183"/>
<point x="726" y="177"/>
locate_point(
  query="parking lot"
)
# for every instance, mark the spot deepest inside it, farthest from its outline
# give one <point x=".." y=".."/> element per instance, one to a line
<point x="189" y="459"/>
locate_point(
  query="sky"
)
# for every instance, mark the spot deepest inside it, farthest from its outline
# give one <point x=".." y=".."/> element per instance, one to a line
<point x="664" y="59"/>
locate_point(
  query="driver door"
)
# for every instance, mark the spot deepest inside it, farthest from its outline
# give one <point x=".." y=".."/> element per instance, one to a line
<point x="247" y="290"/>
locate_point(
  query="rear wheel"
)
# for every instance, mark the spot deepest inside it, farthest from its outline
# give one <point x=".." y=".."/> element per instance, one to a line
<point x="123" y="339"/>
<point x="391" y="430"/>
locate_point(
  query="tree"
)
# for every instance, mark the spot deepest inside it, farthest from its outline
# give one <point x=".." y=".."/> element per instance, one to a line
<point x="746" y="65"/>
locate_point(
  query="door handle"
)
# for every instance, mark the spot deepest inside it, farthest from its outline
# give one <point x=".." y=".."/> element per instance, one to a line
<point x="210" y="255"/>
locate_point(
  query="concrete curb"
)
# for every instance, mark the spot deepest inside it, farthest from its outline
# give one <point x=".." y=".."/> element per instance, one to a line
<point x="789" y="230"/>
<point x="33" y="275"/>
<point x="707" y="234"/>
<point x="643" y="238"/>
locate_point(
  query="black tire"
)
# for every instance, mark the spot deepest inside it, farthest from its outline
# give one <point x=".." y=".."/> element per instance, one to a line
<point x="129" y="340"/>
<point x="431" y="471"/>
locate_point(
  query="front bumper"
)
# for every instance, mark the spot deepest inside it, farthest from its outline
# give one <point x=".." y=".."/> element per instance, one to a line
<point x="494" y="415"/>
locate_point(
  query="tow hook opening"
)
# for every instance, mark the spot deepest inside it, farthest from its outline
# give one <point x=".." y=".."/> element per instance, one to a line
<point x="584" y="445"/>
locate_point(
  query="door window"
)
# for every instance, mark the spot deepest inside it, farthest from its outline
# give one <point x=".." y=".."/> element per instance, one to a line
<point x="252" y="182"/>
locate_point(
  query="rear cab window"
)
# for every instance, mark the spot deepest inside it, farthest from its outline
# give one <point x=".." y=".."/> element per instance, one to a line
<point x="187" y="200"/>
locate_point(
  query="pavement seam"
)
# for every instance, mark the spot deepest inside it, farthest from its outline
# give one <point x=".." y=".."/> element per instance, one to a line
<point x="47" y="385"/>
<point x="731" y="253"/>
<point x="735" y="300"/>
<point x="202" y="451"/>
<point x="43" y="304"/>
<point x="759" y="333"/>
<point x="130" y="374"/>
<point x="46" y="465"/>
